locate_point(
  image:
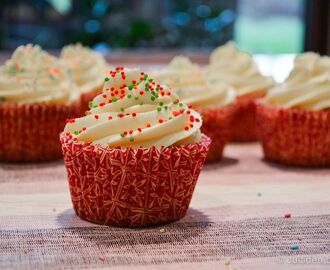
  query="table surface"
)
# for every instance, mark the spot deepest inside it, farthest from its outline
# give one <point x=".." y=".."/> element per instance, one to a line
<point x="235" y="221"/>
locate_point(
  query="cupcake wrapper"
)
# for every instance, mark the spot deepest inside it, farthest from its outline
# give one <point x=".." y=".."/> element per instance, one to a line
<point x="216" y="125"/>
<point x="294" y="137"/>
<point x="132" y="187"/>
<point x="243" y="127"/>
<point x="30" y="132"/>
<point x="85" y="98"/>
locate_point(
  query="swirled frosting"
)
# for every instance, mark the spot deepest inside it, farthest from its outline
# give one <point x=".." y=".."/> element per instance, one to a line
<point x="189" y="83"/>
<point x="236" y="68"/>
<point x="88" y="68"/>
<point x="136" y="111"/>
<point x="307" y="86"/>
<point x="32" y="75"/>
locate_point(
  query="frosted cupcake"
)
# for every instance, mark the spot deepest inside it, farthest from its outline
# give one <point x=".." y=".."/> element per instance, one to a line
<point x="294" y="117"/>
<point x="213" y="102"/>
<point x="35" y="101"/>
<point x="236" y="68"/>
<point x="134" y="159"/>
<point x="88" y="70"/>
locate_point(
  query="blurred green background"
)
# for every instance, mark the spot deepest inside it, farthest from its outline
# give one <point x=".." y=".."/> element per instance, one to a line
<point x="258" y="26"/>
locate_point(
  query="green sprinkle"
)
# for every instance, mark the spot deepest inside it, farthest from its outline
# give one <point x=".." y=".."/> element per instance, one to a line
<point x="90" y="104"/>
<point x="180" y="104"/>
<point x="170" y="118"/>
<point x="150" y="80"/>
<point x="175" y="102"/>
<point x="114" y="99"/>
<point x="122" y="109"/>
<point x="141" y="103"/>
<point x="76" y="132"/>
<point x="106" y="79"/>
<point x="129" y="95"/>
<point x="294" y="247"/>
<point x="161" y="103"/>
<point x="159" y="109"/>
<point x="122" y="135"/>
<point x="95" y="106"/>
<point x="131" y="139"/>
<point x="145" y="77"/>
<point x="152" y="98"/>
<point x="165" y="107"/>
<point x="136" y="98"/>
<point x="130" y="87"/>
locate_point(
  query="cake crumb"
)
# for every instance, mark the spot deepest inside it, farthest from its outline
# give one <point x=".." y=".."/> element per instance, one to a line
<point x="162" y="230"/>
<point x="227" y="262"/>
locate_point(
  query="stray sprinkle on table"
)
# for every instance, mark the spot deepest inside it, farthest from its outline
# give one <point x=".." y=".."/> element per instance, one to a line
<point x="287" y="215"/>
<point x="259" y="194"/>
<point x="227" y="262"/>
<point x="294" y="247"/>
<point x="162" y="230"/>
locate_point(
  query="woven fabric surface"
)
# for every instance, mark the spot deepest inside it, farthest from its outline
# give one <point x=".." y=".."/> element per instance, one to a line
<point x="235" y="221"/>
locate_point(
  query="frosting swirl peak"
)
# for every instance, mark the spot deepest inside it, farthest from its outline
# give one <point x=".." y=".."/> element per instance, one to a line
<point x="307" y="86"/>
<point x="236" y="68"/>
<point x="190" y="84"/>
<point x="136" y="111"/>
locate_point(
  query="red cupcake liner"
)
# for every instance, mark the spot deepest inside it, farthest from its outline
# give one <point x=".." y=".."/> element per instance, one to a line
<point x="216" y="125"/>
<point x="294" y="136"/>
<point x="85" y="98"/>
<point x="132" y="187"/>
<point x="30" y="132"/>
<point x="243" y="127"/>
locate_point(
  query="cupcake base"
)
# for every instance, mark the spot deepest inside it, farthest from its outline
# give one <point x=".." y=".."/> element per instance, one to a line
<point x="294" y="136"/>
<point x="216" y="125"/>
<point x="243" y="127"/>
<point x="132" y="187"/>
<point x="30" y="132"/>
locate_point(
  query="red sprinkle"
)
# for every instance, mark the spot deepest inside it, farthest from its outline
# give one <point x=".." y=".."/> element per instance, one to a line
<point x="186" y="128"/>
<point x="287" y="215"/>
<point x="192" y="118"/>
<point x="110" y="118"/>
<point x="96" y="116"/>
<point x="139" y="130"/>
<point x="141" y="93"/>
<point x="102" y="104"/>
<point x="197" y="120"/>
<point x="160" y="120"/>
<point x="104" y="95"/>
<point x="133" y="114"/>
<point x="148" y="125"/>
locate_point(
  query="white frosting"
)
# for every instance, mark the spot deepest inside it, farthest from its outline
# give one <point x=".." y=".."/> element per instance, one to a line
<point x="135" y="111"/>
<point x="34" y="76"/>
<point x="236" y="68"/>
<point x="308" y="85"/>
<point x="88" y="68"/>
<point x="189" y="83"/>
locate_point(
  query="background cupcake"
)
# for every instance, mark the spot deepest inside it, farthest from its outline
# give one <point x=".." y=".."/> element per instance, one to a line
<point x="35" y="101"/>
<point x="88" y="70"/>
<point x="294" y="118"/>
<point x="134" y="159"/>
<point x="237" y="69"/>
<point x="213" y="102"/>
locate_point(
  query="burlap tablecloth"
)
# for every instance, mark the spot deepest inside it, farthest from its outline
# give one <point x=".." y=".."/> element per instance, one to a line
<point x="236" y="221"/>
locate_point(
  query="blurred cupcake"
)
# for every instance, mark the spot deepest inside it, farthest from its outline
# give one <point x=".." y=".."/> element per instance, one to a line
<point x="88" y="70"/>
<point x="34" y="104"/>
<point x="213" y="102"/>
<point x="237" y="69"/>
<point x="134" y="159"/>
<point x="294" y="117"/>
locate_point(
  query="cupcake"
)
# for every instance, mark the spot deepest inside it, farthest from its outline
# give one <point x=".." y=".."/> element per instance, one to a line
<point x="35" y="101"/>
<point x="229" y="65"/>
<point x="294" y="118"/>
<point x="213" y="102"/>
<point x="88" y="70"/>
<point x="134" y="159"/>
